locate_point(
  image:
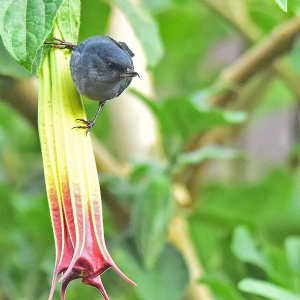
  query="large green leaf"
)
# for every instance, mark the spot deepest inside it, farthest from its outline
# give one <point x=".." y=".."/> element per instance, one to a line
<point x="151" y="215"/>
<point x="145" y="28"/>
<point x="180" y="118"/>
<point x="251" y="202"/>
<point x="266" y="290"/>
<point x="187" y="117"/>
<point x="24" y="26"/>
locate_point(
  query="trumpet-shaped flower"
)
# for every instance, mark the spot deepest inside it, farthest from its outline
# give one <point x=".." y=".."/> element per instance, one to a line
<point x="71" y="179"/>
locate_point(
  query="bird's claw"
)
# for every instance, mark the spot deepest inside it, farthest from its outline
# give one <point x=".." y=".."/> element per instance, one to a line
<point x="85" y="121"/>
<point x="88" y="125"/>
<point x="59" y="44"/>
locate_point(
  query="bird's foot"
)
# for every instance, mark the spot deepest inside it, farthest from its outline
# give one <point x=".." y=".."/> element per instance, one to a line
<point x="88" y="125"/>
<point x="59" y="44"/>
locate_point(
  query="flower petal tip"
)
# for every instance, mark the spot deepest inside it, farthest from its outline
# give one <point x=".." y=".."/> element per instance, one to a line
<point x="117" y="269"/>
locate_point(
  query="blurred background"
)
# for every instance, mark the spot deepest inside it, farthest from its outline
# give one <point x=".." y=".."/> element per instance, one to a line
<point x="198" y="161"/>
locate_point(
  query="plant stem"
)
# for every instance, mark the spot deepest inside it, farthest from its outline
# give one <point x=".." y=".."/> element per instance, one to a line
<point x="179" y="236"/>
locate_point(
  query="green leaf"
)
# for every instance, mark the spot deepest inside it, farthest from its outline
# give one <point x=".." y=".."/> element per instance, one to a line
<point x="145" y="28"/>
<point x="266" y="289"/>
<point x="166" y="280"/>
<point x="292" y="249"/>
<point x="282" y="4"/>
<point x="151" y="216"/>
<point x="245" y="248"/>
<point x="68" y="20"/>
<point x="24" y="26"/>
<point x="279" y="270"/>
<point x="180" y="118"/>
<point x="252" y="201"/>
<point x="188" y="117"/>
<point x="206" y="153"/>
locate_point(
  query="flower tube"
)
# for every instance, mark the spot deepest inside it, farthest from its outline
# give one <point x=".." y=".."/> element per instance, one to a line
<point x="71" y="179"/>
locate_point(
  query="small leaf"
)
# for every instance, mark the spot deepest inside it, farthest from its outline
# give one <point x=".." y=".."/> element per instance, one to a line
<point x="245" y="248"/>
<point x="282" y="4"/>
<point x="24" y="26"/>
<point x="209" y="152"/>
<point x="152" y="213"/>
<point x="145" y="28"/>
<point x="266" y="289"/>
<point x="292" y="249"/>
<point x="69" y="20"/>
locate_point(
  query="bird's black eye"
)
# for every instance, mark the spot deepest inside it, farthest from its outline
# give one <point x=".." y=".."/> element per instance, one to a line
<point x="111" y="65"/>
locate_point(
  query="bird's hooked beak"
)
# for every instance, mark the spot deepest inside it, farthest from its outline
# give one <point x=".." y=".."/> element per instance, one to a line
<point x="130" y="73"/>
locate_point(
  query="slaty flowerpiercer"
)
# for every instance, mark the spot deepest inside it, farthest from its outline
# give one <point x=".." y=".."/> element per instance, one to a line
<point x="101" y="69"/>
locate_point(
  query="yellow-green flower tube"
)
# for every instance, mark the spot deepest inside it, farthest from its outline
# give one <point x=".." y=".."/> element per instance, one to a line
<point x="71" y="178"/>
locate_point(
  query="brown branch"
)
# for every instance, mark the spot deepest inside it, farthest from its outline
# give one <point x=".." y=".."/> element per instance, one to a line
<point x="257" y="58"/>
<point x="179" y="236"/>
<point x="251" y="34"/>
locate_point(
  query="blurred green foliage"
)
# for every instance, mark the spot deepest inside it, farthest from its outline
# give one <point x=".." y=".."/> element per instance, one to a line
<point x="246" y="232"/>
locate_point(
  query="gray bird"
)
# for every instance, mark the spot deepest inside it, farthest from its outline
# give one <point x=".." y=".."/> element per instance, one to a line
<point x="101" y="69"/>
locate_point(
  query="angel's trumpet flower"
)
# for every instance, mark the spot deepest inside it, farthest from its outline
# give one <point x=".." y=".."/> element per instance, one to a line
<point x="71" y="179"/>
